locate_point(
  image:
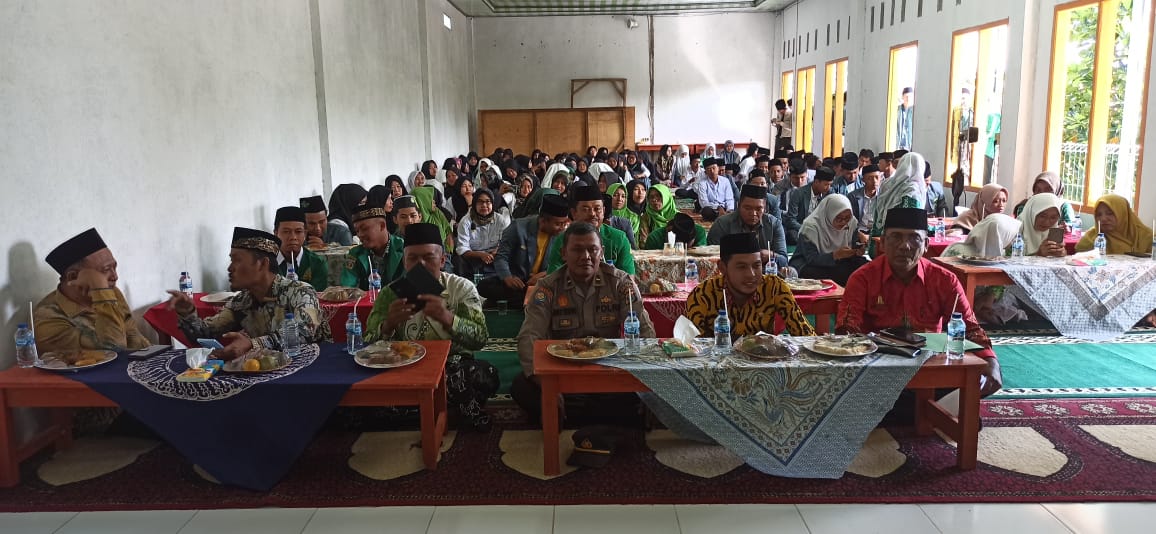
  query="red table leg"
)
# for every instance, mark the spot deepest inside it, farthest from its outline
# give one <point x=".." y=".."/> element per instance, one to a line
<point x="9" y="463"/>
<point x="969" y="421"/>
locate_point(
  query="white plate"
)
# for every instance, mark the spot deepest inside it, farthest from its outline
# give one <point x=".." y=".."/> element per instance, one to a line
<point x="982" y="260"/>
<point x="825" y="286"/>
<point x="704" y="251"/>
<point x="219" y="297"/>
<point x="362" y="361"/>
<point x="559" y="350"/>
<point x="40" y="363"/>
<point x="810" y="345"/>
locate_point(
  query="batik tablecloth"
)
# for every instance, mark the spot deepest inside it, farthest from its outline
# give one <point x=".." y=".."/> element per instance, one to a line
<point x="806" y="417"/>
<point x="1096" y="303"/>
<point x="652" y="265"/>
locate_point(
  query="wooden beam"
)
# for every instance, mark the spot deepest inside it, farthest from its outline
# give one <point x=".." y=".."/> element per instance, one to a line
<point x="1101" y="93"/>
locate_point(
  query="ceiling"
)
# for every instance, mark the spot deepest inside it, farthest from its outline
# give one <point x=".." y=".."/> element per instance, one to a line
<point x="531" y="8"/>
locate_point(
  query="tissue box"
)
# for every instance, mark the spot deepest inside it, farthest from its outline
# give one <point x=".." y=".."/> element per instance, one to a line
<point x="676" y="349"/>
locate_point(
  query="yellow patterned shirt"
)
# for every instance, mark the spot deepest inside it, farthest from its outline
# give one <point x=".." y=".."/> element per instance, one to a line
<point x="62" y="324"/>
<point x="772" y="299"/>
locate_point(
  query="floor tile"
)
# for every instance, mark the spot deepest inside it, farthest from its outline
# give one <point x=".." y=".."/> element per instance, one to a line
<point x="740" y="519"/>
<point x="395" y="520"/>
<point x="33" y="522"/>
<point x="251" y="521"/>
<point x="1106" y="517"/>
<point x="492" y="520"/>
<point x="615" y="519"/>
<point x="993" y="518"/>
<point x="144" y="522"/>
<point x="866" y="519"/>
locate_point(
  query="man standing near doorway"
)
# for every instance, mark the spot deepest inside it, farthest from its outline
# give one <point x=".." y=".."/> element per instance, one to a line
<point x="784" y="120"/>
<point x="903" y="119"/>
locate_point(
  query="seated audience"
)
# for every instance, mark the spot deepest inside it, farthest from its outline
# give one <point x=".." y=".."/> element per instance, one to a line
<point x="319" y="233"/>
<point x="636" y="198"/>
<point x="587" y="207"/>
<point x="716" y="195"/>
<point x="521" y="258"/>
<point x="863" y="200"/>
<point x="905" y="189"/>
<point x="936" y="204"/>
<point x="1121" y="227"/>
<point x="86" y="311"/>
<point x="685" y="230"/>
<point x="751" y="217"/>
<point x="252" y="318"/>
<point x="829" y="245"/>
<point x="462" y="199"/>
<point x="584" y="297"/>
<point x="289" y="227"/>
<point x="846" y="175"/>
<point x="478" y="235"/>
<point x="454" y="315"/>
<point x="804" y="200"/>
<point x="618" y="208"/>
<point x="759" y="178"/>
<point x="990" y="200"/>
<point x="756" y="301"/>
<point x="1041" y="214"/>
<point x="425" y="199"/>
<point x="901" y="288"/>
<point x="992" y="236"/>
<point x="660" y="208"/>
<point x="619" y="223"/>
<point x="379" y="249"/>
<point x="344" y="200"/>
<point x="1049" y="182"/>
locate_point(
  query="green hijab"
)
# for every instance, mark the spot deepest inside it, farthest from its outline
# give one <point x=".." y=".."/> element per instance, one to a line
<point x="423" y="197"/>
<point x="658" y="219"/>
<point x="624" y="212"/>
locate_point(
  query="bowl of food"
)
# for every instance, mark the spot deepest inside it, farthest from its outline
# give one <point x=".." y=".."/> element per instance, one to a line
<point x="389" y="354"/>
<point x="765" y="347"/>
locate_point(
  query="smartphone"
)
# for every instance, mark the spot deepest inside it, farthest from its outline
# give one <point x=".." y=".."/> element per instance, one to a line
<point x="905" y="335"/>
<point x="1056" y="235"/>
<point x="209" y="343"/>
<point x="146" y="353"/>
<point x="416" y="282"/>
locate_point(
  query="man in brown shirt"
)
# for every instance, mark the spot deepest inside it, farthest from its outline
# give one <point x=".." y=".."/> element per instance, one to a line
<point x="86" y="311"/>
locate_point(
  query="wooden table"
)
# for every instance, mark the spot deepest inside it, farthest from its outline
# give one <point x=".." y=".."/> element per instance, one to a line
<point x="559" y="377"/>
<point x="973" y="276"/>
<point x="422" y="384"/>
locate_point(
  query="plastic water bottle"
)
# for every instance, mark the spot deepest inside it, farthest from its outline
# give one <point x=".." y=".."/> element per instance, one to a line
<point x="956" y="334"/>
<point x="940" y="230"/>
<point x="610" y="262"/>
<point x="477" y="278"/>
<point x="352" y="333"/>
<point x="691" y="273"/>
<point x="186" y="284"/>
<point x="1077" y="227"/>
<point x="374" y="284"/>
<point x="1017" y="252"/>
<point x="26" y="355"/>
<point x="290" y="341"/>
<point x="771" y="267"/>
<point x="1154" y="248"/>
<point x="291" y="273"/>
<point x="630" y="330"/>
<point x="722" y="333"/>
<point x="1101" y="246"/>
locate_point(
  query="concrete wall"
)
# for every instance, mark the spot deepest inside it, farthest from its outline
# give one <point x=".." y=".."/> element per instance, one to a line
<point x="166" y="123"/>
<point x="1025" y="96"/>
<point x="711" y="72"/>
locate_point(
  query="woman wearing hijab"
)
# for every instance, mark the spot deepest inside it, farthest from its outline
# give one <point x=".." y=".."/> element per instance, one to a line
<point x="709" y="151"/>
<point x="527" y="184"/>
<point x="486" y="171"/>
<point x="660" y="209"/>
<point x="664" y="164"/>
<point x="582" y="172"/>
<point x="533" y="203"/>
<point x="464" y="199"/>
<point x="617" y="193"/>
<point x="430" y="169"/>
<point x="479" y="233"/>
<point x="636" y="197"/>
<point x="636" y="168"/>
<point x="681" y="166"/>
<point x="904" y="189"/>
<point x="685" y="231"/>
<point x="828" y="246"/>
<point x="344" y="200"/>
<point x="606" y="179"/>
<point x="395" y="186"/>
<point x="1049" y="182"/>
<point x="991" y="237"/>
<point x="1041" y="213"/>
<point x="1125" y="233"/>
<point x="556" y="168"/>
<point x="990" y="200"/>
<point x="423" y="199"/>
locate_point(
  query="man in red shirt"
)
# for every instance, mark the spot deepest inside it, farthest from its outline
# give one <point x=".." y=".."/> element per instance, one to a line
<point x="902" y="289"/>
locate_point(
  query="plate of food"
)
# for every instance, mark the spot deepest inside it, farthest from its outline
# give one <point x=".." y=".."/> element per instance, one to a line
<point x="74" y="360"/>
<point x="765" y="347"/>
<point x="257" y="361"/>
<point x="341" y="294"/>
<point x="842" y="346"/>
<point x="704" y="251"/>
<point x="983" y="260"/>
<point x="389" y="354"/>
<point x="219" y="297"/>
<point x="659" y="288"/>
<point x="808" y="285"/>
<point x="583" y="349"/>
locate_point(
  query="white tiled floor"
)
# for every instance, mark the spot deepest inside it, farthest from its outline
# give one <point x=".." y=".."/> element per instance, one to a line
<point x="1079" y="518"/>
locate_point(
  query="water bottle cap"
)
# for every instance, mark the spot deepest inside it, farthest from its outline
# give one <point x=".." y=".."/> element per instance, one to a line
<point x="288" y="315"/>
<point x="375" y="270"/>
<point x="184" y="273"/>
<point x="690" y="260"/>
<point x="22" y="325"/>
<point x="722" y="312"/>
<point x="957" y="315"/>
<point x="352" y="315"/>
<point x="1101" y="234"/>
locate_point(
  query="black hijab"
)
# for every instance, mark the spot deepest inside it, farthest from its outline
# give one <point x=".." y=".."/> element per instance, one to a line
<point x="425" y="169"/>
<point x="344" y="200"/>
<point x="395" y="178"/>
<point x="630" y="205"/>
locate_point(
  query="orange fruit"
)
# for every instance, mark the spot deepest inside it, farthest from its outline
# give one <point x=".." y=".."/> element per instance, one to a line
<point x="251" y="365"/>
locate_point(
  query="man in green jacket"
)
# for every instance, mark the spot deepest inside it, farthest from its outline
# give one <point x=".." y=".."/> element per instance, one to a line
<point x="588" y="208"/>
<point x="378" y="250"/>
<point x="289" y="226"/>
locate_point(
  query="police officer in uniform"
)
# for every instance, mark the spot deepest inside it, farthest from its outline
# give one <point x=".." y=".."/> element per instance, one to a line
<point x="289" y="226"/>
<point x="586" y="297"/>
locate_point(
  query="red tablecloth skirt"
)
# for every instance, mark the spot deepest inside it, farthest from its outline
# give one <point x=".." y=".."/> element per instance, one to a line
<point x="164" y="320"/>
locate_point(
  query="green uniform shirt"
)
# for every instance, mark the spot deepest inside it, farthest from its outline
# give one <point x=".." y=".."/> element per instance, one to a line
<point x="615" y="247"/>
<point x="656" y="240"/>
<point x="313" y="270"/>
<point x="357" y="264"/>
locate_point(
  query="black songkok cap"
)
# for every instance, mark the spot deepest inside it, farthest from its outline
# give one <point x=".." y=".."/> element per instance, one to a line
<point x="849" y="161"/>
<point x="422" y="234"/>
<point x="746" y="243"/>
<point x="586" y="192"/>
<point x="593" y="447"/>
<point x="404" y="201"/>
<point x="554" y="205"/>
<point x="780" y="154"/>
<point x="753" y="191"/>
<point x="259" y="240"/>
<point x="825" y="174"/>
<point x="289" y="214"/>
<point x="884" y="156"/>
<point x="313" y="204"/>
<point x="367" y="211"/>
<point x="926" y="169"/>
<point x="796" y="154"/>
<point x="775" y="163"/>
<point x="908" y="218"/>
<point x="797" y="166"/>
<point x="74" y="250"/>
<point x="707" y="162"/>
<point x="870" y="169"/>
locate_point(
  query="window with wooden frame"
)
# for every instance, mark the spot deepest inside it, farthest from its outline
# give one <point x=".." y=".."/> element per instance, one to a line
<point x="834" y="112"/>
<point x="804" y="109"/>
<point x="901" y="96"/>
<point x="978" y="63"/>
<point x="1097" y="97"/>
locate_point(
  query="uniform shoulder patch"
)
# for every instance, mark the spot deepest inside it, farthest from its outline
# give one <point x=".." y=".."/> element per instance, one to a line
<point x="541" y="296"/>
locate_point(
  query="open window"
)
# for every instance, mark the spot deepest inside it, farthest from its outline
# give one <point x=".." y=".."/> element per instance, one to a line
<point x="835" y="112"/>
<point x="978" y="63"/>
<point x="804" y="109"/>
<point x="901" y="96"/>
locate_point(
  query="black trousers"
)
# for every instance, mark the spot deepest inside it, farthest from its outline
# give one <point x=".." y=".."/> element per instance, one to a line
<point x="620" y="409"/>
<point x="494" y="289"/>
<point x="839" y="272"/>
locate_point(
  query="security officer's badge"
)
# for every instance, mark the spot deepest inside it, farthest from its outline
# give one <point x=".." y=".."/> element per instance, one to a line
<point x="563" y="301"/>
<point x="541" y="296"/>
<point x="605" y="300"/>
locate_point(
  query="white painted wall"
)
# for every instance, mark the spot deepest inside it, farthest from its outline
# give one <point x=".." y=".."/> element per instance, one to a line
<point x="451" y="80"/>
<point x="711" y="71"/>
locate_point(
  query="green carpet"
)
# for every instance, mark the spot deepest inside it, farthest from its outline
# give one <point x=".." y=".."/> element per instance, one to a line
<point x="1056" y="367"/>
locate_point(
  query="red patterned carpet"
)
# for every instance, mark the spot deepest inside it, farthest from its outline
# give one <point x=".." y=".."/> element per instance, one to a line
<point x="1031" y="451"/>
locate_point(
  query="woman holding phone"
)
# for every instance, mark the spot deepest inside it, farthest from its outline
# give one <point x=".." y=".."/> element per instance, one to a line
<point x="1042" y="237"/>
<point x="828" y="243"/>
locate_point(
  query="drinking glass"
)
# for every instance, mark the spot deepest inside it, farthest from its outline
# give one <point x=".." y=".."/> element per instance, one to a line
<point x="680" y="249"/>
<point x="667" y="249"/>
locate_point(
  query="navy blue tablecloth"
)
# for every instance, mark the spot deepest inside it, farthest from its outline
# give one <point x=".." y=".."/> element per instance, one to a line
<point x="247" y="434"/>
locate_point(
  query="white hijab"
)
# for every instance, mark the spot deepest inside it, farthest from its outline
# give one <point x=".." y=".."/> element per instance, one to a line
<point x="990" y="237"/>
<point x="554" y="169"/>
<point x="1036" y="205"/>
<point x="905" y="183"/>
<point x="432" y="183"/>
<point x="597" y="168"/>
<point x="819" y="226"/>
<point x="489" y="169"/>
<point x="681" y="162"/>
<point x="709" y="151"/>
